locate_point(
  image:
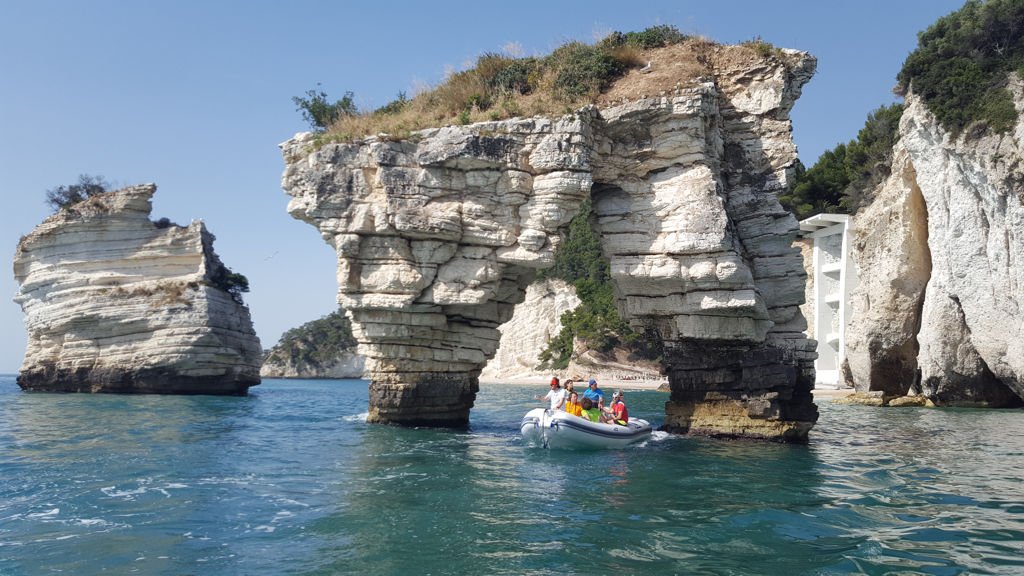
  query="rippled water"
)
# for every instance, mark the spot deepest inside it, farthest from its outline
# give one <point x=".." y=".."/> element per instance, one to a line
<point x="290" y="480"/>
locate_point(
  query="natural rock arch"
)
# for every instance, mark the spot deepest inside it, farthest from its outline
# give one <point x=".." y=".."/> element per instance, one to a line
<point x="438" y="238"/>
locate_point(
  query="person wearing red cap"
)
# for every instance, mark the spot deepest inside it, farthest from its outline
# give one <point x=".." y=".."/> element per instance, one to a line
<point x="556" y="396"/>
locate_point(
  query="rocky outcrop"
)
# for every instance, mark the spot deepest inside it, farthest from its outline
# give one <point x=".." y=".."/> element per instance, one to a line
<point x="438" y="237"/>
<point x="969" y="347"/>
<point x="322" y="348"/>
<point x="115" y="302"/>
<point x="890" y="249"/>
<point x="346" y="363"/>
<point x="535" y="321"/>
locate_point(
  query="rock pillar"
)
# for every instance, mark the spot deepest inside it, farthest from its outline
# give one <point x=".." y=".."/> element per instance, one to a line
<point x="115" y="302"/>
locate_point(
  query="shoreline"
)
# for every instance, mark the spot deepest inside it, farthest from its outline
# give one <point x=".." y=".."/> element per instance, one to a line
<point x="609" y="384"/>
<point x="580" y="384"/>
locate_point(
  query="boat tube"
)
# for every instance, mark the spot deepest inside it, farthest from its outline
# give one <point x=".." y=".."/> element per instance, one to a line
<point x="556" y="429"/>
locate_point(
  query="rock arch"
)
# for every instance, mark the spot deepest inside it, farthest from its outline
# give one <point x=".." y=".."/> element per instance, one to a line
<point x="438" y="238"/>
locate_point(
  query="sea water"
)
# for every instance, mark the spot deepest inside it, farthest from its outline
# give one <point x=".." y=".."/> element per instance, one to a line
<point x="291" y="480"/>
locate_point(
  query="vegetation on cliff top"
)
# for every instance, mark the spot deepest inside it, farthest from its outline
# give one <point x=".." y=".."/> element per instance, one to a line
<point x="962" y="61"/>
<point x="66" y="195"/>
<point x="502" y="86"/>
<point x="959" y="69"/>
<point x="842" y="178"/>
<point x="315" y="344"/>
<point x="498" y="87"/>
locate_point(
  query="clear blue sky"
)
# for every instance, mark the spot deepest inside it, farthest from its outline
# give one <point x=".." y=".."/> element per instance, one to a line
<point x="196" y="95"/>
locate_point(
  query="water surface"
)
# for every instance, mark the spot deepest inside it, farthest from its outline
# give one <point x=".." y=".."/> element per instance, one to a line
<point x="291" y="480"/>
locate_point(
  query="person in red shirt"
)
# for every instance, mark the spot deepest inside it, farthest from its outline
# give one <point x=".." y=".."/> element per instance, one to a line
<point x="617" y="412"/>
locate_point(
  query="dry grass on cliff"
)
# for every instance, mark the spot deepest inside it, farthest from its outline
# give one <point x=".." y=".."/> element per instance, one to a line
<point x="501" y="87"/>
<point x="682" y="65"/>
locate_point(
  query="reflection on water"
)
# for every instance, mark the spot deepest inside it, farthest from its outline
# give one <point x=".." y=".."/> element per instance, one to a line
<point x="291" y="480"/>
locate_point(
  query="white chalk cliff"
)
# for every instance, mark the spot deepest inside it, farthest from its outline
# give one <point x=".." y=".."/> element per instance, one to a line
<point x="115" y="302"/>
<point x="535" y="321"/>
<point x="939" y="310"/>
<point x="439" y="236"/>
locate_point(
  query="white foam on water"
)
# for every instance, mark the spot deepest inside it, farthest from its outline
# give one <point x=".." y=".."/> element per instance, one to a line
<point x="113" y="492"/>
<point x="660" y="436"/>
<point x="356" y="417"/>
<point x="48" y="514"/>
<point x="144" y="487"/>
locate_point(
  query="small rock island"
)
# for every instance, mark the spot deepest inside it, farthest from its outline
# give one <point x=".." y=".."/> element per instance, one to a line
<point x="115" y="302"/>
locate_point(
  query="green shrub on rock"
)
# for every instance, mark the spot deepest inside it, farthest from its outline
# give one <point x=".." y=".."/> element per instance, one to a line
<point x="596" y="321"/>
<point x="315" y="344"/>
<point x="86" y="187"/>
<point x="962" y="61"/>
<point x="319" y="112"/>
<point x="842" y="178"/>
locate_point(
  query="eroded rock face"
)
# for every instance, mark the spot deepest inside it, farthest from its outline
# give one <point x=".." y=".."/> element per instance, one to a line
<point x="114" y="302"/>
<point x="438" y="237"/>
<point x="535" y="321"/>
<point x="971" y="330"/>
<point x="890" y="249"/>
<point x="437" y="241"/>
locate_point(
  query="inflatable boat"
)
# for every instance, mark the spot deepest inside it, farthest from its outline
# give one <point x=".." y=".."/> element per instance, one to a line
<point x="556" y="429"/>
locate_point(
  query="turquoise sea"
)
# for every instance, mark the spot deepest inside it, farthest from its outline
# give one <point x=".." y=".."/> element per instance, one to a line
<point x="290" y="480"/>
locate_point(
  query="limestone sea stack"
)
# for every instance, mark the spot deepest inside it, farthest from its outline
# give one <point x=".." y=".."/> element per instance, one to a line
<point x="439" y="235"/>
<point x="939" y="310"/>
<point x="115" y="302"/>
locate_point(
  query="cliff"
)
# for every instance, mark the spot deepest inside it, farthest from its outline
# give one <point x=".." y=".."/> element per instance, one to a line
<point x="939" y="308"/>
<point x="115" y="302"/>
<point x="535" y="321"/>
<point x="439" y="235"/>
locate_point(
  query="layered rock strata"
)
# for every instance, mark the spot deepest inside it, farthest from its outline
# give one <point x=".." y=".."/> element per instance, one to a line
<point x="951" y="326"/>
<point x="115" y="302"/>
<point x="438" y="237"/>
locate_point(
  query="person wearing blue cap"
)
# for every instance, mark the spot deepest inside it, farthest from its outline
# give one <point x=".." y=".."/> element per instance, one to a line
<point x="594" y="394"/>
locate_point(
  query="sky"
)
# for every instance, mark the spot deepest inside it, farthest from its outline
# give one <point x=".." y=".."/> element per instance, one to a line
<point x="195" y="96"/>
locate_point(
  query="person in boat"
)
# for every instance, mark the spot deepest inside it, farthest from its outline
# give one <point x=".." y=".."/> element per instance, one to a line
<point x="595" y="394"/>
<point x="617" y="412"/>
<point x="556" y="396"/>
<point x="572" y="405"/>
<point x="568" y="388"/>
<point x="589" y="410"/>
